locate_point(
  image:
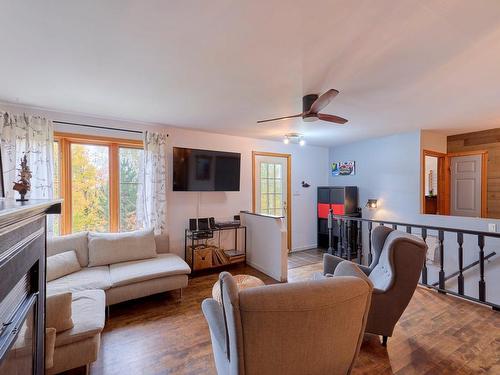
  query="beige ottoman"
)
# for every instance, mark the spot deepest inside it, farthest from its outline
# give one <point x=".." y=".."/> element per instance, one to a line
<point x="242" y="281"/>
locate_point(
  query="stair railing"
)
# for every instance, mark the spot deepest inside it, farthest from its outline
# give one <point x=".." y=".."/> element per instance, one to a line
<point x="345" y="225"/>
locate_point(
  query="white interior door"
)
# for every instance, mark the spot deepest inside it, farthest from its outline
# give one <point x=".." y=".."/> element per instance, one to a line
<point x="466" y="185"/>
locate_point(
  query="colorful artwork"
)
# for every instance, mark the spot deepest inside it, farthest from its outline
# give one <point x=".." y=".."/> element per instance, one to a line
<point x="343" y="168"/>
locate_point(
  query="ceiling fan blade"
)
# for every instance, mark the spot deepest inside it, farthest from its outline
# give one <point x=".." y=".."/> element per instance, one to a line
<point x="279" y="118"/>
<point x="331" y="118"/>
<point x="323" y="101"/>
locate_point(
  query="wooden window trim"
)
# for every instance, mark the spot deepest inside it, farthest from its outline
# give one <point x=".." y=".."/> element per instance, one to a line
<point x="114" y="144"/>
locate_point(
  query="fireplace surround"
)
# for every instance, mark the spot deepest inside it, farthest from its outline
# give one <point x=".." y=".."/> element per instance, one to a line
<point x="22" y="286"/>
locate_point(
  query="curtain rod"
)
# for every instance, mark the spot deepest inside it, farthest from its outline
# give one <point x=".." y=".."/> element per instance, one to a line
<point x="99" y="127"/>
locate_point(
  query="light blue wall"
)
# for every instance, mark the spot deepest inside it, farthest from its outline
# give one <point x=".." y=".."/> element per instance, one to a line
<point x="388" y="169"/>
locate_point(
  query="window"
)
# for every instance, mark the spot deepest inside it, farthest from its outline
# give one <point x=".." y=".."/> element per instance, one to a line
<point x="130" y="159"/>
<point x="271" y="189"/>
<point x="98" y="178"/>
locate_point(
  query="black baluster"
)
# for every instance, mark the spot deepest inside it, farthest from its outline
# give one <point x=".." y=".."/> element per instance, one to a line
<point x="349" y="239"/>
<point x="370" y="256"/>
<point x="482" y="284"/>
<point x="441" y="256"/>
<point x="344" y="242"/>
<point x="424" y="268"/>
<point x="359" y="227"/>
<point x="460" y="240"/>
<point x="408" y="229"/>
<point x="340" y="239"/>
<point x="394" y="226"/>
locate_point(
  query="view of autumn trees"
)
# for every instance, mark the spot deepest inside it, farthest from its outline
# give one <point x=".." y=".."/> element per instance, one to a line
<point x="130" y="159"/>
<point x="90" y="187"/>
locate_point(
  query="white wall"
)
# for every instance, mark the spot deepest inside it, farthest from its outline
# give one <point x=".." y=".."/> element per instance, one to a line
<point x="309" y="164"/>
<point x="388" y="169"/>
<point x="267" y="245"/>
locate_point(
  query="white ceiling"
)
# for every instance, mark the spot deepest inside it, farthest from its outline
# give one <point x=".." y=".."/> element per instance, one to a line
<point x="222" y="65"/>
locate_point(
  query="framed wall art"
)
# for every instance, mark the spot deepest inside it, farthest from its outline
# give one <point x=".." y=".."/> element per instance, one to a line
<point x="343" y="168"/>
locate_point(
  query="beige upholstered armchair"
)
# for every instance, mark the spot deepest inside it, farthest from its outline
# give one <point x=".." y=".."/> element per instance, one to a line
<point x="311" y="327"/>
<point x="397" y="262"/>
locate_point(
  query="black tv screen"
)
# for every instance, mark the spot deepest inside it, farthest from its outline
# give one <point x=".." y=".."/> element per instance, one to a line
<point x="205" y="170"/>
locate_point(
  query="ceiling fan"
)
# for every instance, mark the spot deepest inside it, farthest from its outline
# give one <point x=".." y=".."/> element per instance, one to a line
<point x="311" y="105"/>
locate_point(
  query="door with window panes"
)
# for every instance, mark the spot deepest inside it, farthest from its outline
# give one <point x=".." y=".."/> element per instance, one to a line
<point x="271" y="186"/>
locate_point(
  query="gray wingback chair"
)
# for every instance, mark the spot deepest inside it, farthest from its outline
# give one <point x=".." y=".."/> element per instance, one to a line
<point x="311" y="327"/>
<point x="397" y="262"/>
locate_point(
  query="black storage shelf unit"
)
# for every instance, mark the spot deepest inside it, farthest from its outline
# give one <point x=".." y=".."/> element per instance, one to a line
<point x="343" y="200"/>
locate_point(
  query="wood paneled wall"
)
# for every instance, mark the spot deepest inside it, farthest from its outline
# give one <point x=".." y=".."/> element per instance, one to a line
<point x="488" y="140"/>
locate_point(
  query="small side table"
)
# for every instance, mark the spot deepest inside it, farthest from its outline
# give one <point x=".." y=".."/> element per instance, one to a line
<point x="242" y="282"/>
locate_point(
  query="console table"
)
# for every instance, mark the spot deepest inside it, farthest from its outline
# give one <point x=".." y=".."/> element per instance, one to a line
<point x="203" y="248"/>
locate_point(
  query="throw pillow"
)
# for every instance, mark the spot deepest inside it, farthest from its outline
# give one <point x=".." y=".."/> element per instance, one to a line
<point x="109" y="248"/>
<point x="62" y="264"/>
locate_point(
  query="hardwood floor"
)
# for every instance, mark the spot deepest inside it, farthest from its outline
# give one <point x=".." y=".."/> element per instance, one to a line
<point x="437" y="334"/>
<point x="305" y="257"/>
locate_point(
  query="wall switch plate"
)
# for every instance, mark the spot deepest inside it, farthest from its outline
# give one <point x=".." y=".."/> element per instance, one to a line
<point x="492" y="227"/>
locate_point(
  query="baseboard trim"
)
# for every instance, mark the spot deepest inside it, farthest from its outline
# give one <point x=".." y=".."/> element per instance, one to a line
<point x="306" y="247"/>
<point x="263" y="270"/>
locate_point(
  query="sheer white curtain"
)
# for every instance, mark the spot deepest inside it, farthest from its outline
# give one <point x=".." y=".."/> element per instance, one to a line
<point x="33" y="135"/>
<point x="152" y="194"/>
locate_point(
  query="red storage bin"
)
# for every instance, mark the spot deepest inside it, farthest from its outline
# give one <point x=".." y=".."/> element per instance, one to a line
<point x="323" y="209"/>
<point x="338" y="209"/>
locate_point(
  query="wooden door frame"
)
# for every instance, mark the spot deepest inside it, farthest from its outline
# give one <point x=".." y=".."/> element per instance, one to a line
<point x="443" y="196"/>
<point x="288" y="189"/>
<point x="484" y="176"/>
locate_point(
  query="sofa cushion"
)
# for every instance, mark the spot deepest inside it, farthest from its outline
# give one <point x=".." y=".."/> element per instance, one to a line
<point x="58" y="311"/>
<point x="75" y="241"/>
<point x="161" y="241"/>
<point x="109" y="248"/>
<point x="62" y="264"/>
<point x="88" y="317"/>
<point x="147" y="269"/>
<point x="86" y="278"/>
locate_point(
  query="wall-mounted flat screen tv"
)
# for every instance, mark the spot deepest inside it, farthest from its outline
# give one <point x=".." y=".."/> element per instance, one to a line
<point x="205" y="170"/>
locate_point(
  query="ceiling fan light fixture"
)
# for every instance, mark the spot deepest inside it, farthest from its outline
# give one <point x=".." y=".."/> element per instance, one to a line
<point x="312" y="105"/>
<point x="296" y="138"/>
<point x="309" y="117"/>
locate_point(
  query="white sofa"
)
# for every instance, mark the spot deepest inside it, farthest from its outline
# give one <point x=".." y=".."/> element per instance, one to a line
<point x="95" y="287"/>
<point x="121" y="281"/>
